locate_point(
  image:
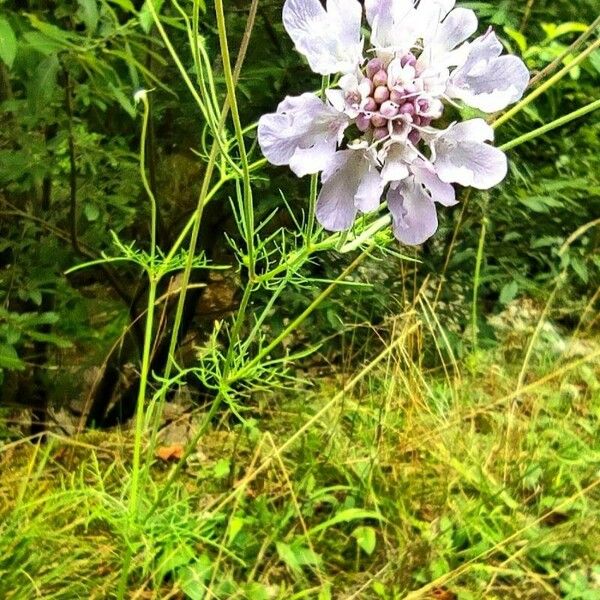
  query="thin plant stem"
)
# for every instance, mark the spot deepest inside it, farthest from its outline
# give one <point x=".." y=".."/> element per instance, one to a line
<point x="237" y="124"/>
<point x="204" y="197"/>
<point x="450" y="251"/>
<point x="559" y="59"/>
<point x="229" y="380"/>
<point x="477" y="281"/>
<point x="293" y="325"/>
<point x="216" y="404"/>
<point x="527" y="15"/>
<point x="133" y="507"/>
<point x="527" y="137"/>
<point x="186" y="78"/>
<point x="314" y="184"/>
<point x="545" y="86"/>
<point x="143" y="98"/>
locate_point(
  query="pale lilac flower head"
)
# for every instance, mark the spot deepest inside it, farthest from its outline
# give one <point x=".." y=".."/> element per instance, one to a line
<point x="373" y="131"/>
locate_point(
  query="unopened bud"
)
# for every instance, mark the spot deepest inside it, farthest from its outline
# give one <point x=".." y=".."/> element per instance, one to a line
<point x="410" y="60"/>
<point x="380" y="133"/>
<point x="378" y="120"/>
<point x="389" y="109"/>
<point x="381" y="94"/>
<point x="414" y="136"/>
<point x="380" y="78"/>
<point x="374" y="66"/>
<point x="397" y="96"/>
<point x="363" y="122"/>
<point x="370" y="105"/>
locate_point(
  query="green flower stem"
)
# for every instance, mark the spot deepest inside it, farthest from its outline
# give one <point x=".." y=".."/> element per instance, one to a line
<point x="210" y="196"/>
<point x="148" y="334"/>
<point x="139" y="416"/>
<point x="527" y="137"/>
<point x="568" y="51"/>
<point x="545" y="86"/>
<point x="477" y="281"/>
<point x="227" y="380"/>
<point x="143" y="98"/>
<point x="216" y="404"/>
<point x="187" y="80"/>
<point x="237" y="124"/>
<point x="204" y="197"/>
<point x="302" y="316"/>
<point x="314" y="183"/>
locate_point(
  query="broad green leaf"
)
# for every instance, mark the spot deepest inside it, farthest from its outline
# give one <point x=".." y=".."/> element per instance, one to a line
<point x="509" y="292"/>
<point x="8" y="43"/>
<point x="88" y="11"/>
<point x="555" y="31"/>
<point x="365" y="538"/>
<point x="9" y="359"/>
<point x="50" y="338"/>
<point x="42" y="43"/>
<point x="124" y="100"/>
<point x="256" y="591"/>
<point x="346" y="516"/>
<point x="517" y="37"/>
<point x="192" y="578"/>
<point x="221" y="468"/>
<point x="91" y="212"/>
<point x="595" y="60"/>
<point x="56" y="33"/>
<point x="145" y="15"/>
<point x="126" y="5"/>
<point x="296" y="556"/>
<point x="43" y="84"/>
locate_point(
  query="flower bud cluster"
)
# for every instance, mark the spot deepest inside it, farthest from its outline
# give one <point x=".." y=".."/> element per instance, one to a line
<point x="390" y="107"/>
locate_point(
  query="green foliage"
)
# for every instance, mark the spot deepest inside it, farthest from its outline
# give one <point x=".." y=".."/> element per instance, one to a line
<point x="460" y="460"/>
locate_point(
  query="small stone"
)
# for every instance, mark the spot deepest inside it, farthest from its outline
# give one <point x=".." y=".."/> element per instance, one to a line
<point x="363" y="122"/>
<point x="380" y="133"/>
<point x="380" y="78"/>
<point x="370" y="105"/>
<point x="374" y="66"/>
<point x="381" y="94"/>
<point x="378" y="120"/>
<point x="389" y="109"/>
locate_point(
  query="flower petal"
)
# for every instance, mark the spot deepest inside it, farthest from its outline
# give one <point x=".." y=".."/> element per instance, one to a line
<point x="438" y="190"/>
<point x="429" y="14"/>
<point x="413" y="212"/>
<point x="473" y="130"/>
<point x="303" y="133"/>
<point x="393" y="24"/>
<point x="462" y="157"/>
<point x="396" y="159"/>
<point x="458" y="26"/>
<point x="350" y="183"/>
<point x="488" y="81"/>
<point x="329" y="39"/>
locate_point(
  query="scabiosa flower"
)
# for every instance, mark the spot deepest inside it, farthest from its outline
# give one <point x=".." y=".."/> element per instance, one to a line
<point x="372" y="134"/>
